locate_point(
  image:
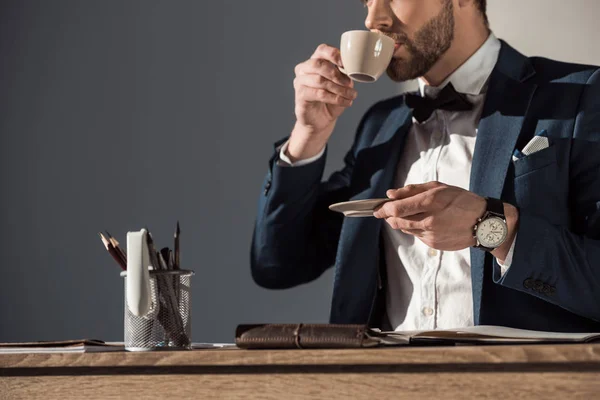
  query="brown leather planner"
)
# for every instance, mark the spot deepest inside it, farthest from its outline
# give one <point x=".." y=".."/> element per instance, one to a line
<point x="303" y="336"/>
<point x="331" y="336"/>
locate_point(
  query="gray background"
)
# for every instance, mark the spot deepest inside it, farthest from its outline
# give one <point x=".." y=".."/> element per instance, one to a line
<point x="119" y="114"/>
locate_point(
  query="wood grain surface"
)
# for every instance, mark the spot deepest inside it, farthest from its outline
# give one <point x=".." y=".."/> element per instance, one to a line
<point x="552" y="354"/>
<point x="462" y="372"/>
<point x="513" y="386"/>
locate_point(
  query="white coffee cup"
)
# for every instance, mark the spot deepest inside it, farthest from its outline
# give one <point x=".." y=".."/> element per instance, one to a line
<point x="365" y="54"/>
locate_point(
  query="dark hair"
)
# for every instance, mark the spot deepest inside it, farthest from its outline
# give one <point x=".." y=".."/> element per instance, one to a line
<point x="482" y="6"/>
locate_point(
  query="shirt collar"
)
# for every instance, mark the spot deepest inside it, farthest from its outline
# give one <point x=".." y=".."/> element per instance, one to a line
<point x="472" y="75"/>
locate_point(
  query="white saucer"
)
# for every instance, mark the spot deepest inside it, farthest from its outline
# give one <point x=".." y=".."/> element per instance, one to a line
<point x="358" y="208"/>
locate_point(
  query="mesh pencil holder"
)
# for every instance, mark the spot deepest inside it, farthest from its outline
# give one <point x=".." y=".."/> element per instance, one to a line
<point x="168" y="323"/>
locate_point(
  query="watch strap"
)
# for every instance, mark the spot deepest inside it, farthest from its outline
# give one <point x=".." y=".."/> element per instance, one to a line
<point x="495" y="207"/>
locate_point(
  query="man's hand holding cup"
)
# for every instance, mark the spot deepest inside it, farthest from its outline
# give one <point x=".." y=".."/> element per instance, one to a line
<point x="323" y="92"/>
<point x="324" y="88"/>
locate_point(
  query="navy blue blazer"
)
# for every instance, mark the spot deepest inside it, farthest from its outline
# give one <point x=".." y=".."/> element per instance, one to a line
<point x="554" y="279"/>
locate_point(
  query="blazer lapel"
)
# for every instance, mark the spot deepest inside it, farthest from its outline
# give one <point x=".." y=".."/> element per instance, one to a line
<point x="508" y="100"/>
<point x="358" y="250"/>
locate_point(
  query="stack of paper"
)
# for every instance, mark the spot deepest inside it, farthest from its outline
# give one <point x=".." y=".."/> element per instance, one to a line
<point x="62" y="346"/>
<point x="482" y="334"/>
<point x="85" y="346"/>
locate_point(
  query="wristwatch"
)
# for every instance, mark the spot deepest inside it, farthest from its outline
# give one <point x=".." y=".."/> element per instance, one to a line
<point x="491" y="230"/>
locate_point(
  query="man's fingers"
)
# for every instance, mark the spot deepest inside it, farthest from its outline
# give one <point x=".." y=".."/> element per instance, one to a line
<point x="309" y="94"/>
<point x="404" y="208"/>
<point x="323" y="67"/>
<point x="320" y="82"/>
<point x="417" y="222"/>
<point x="411" y="190"/>
<point x="330" y="53"/>
<point x="415" y="232"/>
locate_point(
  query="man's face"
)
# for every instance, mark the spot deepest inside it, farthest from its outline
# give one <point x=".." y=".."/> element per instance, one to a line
<point x="423" y="31"/>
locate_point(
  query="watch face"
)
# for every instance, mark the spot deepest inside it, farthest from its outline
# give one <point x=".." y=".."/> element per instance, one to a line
<point x="491" y="232"/>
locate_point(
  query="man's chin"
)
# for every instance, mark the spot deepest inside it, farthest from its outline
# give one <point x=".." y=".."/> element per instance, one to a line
<point x="398" y="71"/>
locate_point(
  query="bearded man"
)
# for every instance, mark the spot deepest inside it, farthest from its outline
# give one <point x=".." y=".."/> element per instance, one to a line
<point x="492" y="171"/>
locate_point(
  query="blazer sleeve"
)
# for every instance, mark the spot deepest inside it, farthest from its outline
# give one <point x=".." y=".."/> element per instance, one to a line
<point x="570" y="258"/>
<point x="296" y="235"/>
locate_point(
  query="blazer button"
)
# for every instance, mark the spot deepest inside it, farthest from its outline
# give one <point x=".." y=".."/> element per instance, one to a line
<point x="538" y="286"/>
<point x="267" y="187"/>
<point x="528" y="283"/>
<point x="546" y="289"/>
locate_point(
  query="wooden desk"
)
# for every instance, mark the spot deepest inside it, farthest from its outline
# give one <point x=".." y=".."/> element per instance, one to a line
<point x="505" y="372"/>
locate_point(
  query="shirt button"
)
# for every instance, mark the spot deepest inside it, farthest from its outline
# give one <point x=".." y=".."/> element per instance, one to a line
<point x="432" y="252"/>
<point x="428" y="311"/>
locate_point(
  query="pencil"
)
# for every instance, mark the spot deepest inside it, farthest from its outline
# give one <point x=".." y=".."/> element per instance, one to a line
<point x="113" y="252"/>
<point x="115" y="244"/>
<point x="111" y="239"/>
<point x="176" y="264"/>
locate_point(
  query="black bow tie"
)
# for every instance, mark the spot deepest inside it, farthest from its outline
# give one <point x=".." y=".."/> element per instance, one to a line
<point x="448" y="99"/>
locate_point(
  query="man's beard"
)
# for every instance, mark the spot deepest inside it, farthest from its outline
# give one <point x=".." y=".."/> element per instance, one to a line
<point x="429" y="44"/>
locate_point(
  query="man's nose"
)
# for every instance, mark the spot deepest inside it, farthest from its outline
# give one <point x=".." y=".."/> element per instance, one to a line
<point x="380" y="16"/>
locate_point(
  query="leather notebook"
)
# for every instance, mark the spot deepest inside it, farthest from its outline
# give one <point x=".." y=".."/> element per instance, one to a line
<point x="303" y="336"/>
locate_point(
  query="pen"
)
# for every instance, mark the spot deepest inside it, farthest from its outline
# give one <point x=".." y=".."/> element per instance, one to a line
<point x="162" y="261"/>
<point x="153" y="253"/>
<point x="164" y="253"/>
<point x="176" y="264"/>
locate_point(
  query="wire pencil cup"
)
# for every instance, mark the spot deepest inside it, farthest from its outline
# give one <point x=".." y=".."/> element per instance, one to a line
<point x="168" y="323"/>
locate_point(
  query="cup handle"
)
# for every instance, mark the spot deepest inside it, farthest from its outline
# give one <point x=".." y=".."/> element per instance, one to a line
<point x="342" y="70"/>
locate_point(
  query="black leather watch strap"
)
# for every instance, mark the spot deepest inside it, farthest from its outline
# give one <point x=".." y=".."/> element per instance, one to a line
<point x="495" y="207"/>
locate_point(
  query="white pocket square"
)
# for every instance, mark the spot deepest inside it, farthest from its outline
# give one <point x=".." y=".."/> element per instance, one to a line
<point x="539" y="142"/>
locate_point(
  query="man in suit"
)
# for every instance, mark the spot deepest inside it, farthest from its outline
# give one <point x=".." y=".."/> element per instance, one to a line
<point x="492" y="171"/>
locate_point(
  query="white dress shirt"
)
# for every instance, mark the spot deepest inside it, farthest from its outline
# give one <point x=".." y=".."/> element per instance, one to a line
<point x="427" y="288"/>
